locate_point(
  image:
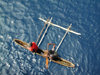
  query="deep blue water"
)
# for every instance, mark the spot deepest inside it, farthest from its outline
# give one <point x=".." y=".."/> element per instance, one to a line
<point x="19" y="19"/>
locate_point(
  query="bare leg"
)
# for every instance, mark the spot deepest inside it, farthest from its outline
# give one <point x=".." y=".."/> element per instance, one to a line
<point x="47" y="61"/>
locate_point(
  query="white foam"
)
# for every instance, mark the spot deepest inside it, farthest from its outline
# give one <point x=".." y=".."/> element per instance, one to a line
<point x="9" y="37"/>
<point x="12" y="22"/>
<point x="8" y="65"/>
<point x="1" y="58"/>
<point x="34" y="60"/>
<point x="1" y="37"/>
<point x="59" y="36"/>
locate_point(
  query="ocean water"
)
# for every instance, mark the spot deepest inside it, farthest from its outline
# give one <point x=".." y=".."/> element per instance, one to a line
<point x="19" y="19"/>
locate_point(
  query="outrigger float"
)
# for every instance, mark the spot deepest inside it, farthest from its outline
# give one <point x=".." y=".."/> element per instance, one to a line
<point x="48" y="22"/>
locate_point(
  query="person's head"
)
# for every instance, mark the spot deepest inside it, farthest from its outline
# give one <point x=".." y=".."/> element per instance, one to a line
<point x="30" y="44"/>
<point x="33" y="46"/>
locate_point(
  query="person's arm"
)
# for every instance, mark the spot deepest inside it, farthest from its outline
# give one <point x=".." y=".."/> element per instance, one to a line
<point x="51" y="44"/>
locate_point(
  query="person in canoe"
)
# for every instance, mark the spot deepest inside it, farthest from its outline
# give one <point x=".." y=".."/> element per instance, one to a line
<point x="34" y="48"/>
<point x="48" y="54"/>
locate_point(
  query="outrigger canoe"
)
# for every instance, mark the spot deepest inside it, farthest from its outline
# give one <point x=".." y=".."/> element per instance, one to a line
<point x="60" y="60"/>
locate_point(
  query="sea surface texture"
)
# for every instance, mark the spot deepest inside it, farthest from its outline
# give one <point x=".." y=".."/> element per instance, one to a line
<point x="19" y="19"/>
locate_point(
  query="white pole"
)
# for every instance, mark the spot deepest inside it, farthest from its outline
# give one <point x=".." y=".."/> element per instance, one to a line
<point x="45" y="31"/>
<point x="63" y="37"/>
<point x="42" y="31"/>
<point x="61" y="27"/>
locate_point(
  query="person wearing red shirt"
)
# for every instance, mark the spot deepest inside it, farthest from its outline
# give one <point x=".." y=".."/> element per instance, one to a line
<point x="34" y="48"/>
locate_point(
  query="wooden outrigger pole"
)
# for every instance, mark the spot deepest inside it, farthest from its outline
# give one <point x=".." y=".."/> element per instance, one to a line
<point x="63" y="37"/>
<point x="45" y="31"/>
<point x="61" y="27"/>
<point x="42" y="31"/>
